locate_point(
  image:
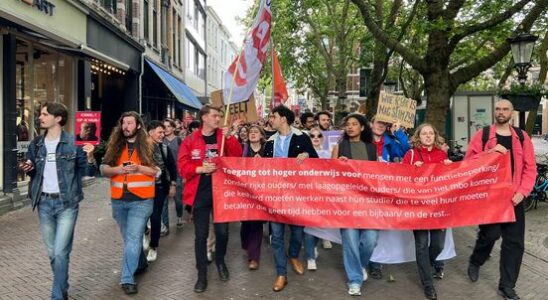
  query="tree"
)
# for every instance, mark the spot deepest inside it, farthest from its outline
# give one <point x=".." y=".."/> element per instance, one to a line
<point x="449" y="30"/>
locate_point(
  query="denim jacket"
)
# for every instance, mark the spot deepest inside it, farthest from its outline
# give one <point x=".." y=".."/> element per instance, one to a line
<point x="72" y="165"/>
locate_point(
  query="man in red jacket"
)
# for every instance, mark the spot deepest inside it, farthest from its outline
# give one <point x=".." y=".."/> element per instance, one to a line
<point x="503" y="138"/>
<point x="196" y="163"/>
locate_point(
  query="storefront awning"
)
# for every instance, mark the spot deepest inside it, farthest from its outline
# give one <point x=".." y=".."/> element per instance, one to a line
<point x="180" y="90"/>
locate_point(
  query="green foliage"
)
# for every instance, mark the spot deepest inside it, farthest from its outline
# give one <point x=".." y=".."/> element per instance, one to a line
<point x="537" y="90"/>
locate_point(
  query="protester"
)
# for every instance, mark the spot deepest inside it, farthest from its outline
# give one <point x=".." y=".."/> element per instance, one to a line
<point x="427" y="144"/>
<point x="501" y="137"/>
<point x="307" y="121"/>
<point x="287" y="142"/>
<point x="310" y="241"/>
<point x="243" y="135"/>
<point x="268" y="130"/>
<point x="392" y="144"/>
<point x="358" y="244"/>
<point x="251" y="232"/>
<point x="57" y="194"/>
<point x="165" y="184"/>
<point x="173" y="141"/>
<point x="196" y="163"/>
<point x="129" y="164"/>
<point x="323" y="118"/>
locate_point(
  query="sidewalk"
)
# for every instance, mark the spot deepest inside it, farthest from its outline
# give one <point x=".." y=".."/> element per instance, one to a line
<point x="95" y="264"/>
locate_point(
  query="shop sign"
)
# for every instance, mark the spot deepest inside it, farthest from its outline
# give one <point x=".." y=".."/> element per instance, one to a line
<point x="42" y="5"/>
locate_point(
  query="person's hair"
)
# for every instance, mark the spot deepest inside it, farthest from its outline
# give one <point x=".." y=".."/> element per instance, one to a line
<point x="284" y="111"/>
<point x="240" y="130"/>
<point x="117" y="142"/>
<point x="305" y="116"/>
<point x="366" y="135"/>
<point x="375" y="119"/>
<point x="206" y="109"/>
<point x="263" y="135"/>
<point x="416" y="138"/>
<point x="193" y="125"/>
<point x="155" y="124"/>
<point x="325" y="112"/>
<point x="171" y="122"/>
<point x="57" y="110"/>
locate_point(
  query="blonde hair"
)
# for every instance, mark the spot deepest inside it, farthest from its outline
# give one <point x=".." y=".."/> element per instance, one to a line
<point x="416" y="140"/>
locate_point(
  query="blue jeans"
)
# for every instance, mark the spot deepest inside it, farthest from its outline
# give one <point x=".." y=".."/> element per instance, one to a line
<point x="57" y="227"/>
<point x="278" y="245"/>
<point x="131" y="216"/>
<point x="310" y="243"/>
<point x="358" y="246"/>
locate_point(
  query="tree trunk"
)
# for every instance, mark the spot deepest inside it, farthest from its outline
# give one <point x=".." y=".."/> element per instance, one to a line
<point x="376" y="79"/>
<point x="438" y="95"/>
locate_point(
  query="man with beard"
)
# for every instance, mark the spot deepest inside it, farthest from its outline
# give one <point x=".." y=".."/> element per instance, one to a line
<point x="324" y="120"/>
<point x="196" y="163"/>
<point x="287" y="142"/>
<point x="129" y="164"/>
<point x="502" y="137"/>
<point x="56" y="166"/>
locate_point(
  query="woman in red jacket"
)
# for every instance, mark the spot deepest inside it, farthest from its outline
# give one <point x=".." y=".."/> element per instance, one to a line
<point x="427" y="144"/>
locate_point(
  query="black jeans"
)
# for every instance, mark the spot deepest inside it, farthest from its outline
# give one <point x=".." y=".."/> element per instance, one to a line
<point x="156" y="217"/>
<point x="512" y="247"/>
<point x="201" y="217"/>
<point x="428" y="245"/>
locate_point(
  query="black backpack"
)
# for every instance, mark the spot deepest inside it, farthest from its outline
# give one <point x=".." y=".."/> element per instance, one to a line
<point x="485" y="136"/>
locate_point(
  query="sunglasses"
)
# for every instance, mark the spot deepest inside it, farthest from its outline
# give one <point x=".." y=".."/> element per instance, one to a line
<point x="316" y="136"/>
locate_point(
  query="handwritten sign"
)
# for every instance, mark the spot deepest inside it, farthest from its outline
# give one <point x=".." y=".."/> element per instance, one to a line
<point x="245" y="111"/>
<point x="395" y="108"/>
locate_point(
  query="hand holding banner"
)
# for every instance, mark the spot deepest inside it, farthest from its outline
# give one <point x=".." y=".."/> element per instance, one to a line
<point x="363" y="194"/>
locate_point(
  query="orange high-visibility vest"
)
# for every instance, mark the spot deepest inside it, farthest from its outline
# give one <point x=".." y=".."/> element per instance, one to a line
<point x="138" y="184"/>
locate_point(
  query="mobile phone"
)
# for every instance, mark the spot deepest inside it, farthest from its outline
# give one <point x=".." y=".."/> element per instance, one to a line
<point x="126" y="163"/>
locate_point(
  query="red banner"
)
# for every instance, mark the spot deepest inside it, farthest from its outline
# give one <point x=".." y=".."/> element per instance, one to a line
<point x="363" y="194"/>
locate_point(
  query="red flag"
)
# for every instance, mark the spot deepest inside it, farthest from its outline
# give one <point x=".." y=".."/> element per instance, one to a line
<point x="280" y="90"/>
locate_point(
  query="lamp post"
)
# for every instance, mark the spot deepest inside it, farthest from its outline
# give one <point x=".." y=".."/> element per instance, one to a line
<point x="390" y="86"/>
<point x="522" y="49"/>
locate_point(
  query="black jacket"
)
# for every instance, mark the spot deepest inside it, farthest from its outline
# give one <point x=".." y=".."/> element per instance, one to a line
<point x="299" y="143"/>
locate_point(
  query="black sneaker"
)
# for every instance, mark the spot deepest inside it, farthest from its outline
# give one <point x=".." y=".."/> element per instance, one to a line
<point x="129" y="288"/>
<point x="200" y="286"/>
<point x="375" y="273"/>
<point x="438" y="272"/>
<point x="430" y="293"/>
<point x="508" y="293"/>
<point x="223" y="271"/>
<point x="473" y="272"/>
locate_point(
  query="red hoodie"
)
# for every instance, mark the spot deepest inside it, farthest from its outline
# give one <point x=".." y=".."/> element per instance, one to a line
<point x="421" y="153"/>
<point x="191" y="156"/>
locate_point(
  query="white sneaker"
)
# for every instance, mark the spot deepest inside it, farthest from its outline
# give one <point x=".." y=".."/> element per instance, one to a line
<point x="326" y="244"/>
<point x="311" y="265"/>
<point x="152" y="255"/>
<point x="164" y="230"/>
<point x="146" y="242"/>
<point x="354" y="290"/>
<point x="180" y="222"/>
<point x="209" y="256"/>
<point x="364" y="274"/>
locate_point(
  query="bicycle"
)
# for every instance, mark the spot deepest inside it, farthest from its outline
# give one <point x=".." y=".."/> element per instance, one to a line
<point x="539" y="190"/>
<point x="455" y="152"/>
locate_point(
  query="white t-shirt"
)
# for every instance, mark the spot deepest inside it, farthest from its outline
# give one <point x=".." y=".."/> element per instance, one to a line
<point x="50" y="184"/>
<point x="282" y="140"/>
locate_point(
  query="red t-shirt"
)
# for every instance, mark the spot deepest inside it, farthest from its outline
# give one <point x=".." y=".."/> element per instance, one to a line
<point x="379" y="145"/>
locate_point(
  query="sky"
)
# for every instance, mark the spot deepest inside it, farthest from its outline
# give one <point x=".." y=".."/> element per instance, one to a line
<point x="228" y="10"/>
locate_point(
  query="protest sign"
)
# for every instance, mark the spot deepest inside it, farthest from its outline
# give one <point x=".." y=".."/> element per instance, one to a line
<point x="396" y="108"/>
<point x="363" y="194"/>
<point x="87" y="127"/>
<point x="245" y="111"/>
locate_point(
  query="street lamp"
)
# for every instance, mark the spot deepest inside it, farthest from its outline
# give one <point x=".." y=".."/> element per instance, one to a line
<point x="390" y="86"/>
<point x="522" y="49"/>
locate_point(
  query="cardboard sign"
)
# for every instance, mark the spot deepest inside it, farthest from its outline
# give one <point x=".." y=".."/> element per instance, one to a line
<point x="88" y="127"/>
<point x="395" y="108"/>
<point x="245" y="111"/>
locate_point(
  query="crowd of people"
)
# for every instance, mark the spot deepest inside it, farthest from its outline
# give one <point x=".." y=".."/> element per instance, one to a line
<point x="151" y="165"/>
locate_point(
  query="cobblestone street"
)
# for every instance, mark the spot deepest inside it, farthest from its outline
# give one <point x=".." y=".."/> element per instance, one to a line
<point x="95" y="264"/>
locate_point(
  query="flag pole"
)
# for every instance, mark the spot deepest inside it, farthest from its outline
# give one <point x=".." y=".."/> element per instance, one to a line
<point x="272" y="98"/>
